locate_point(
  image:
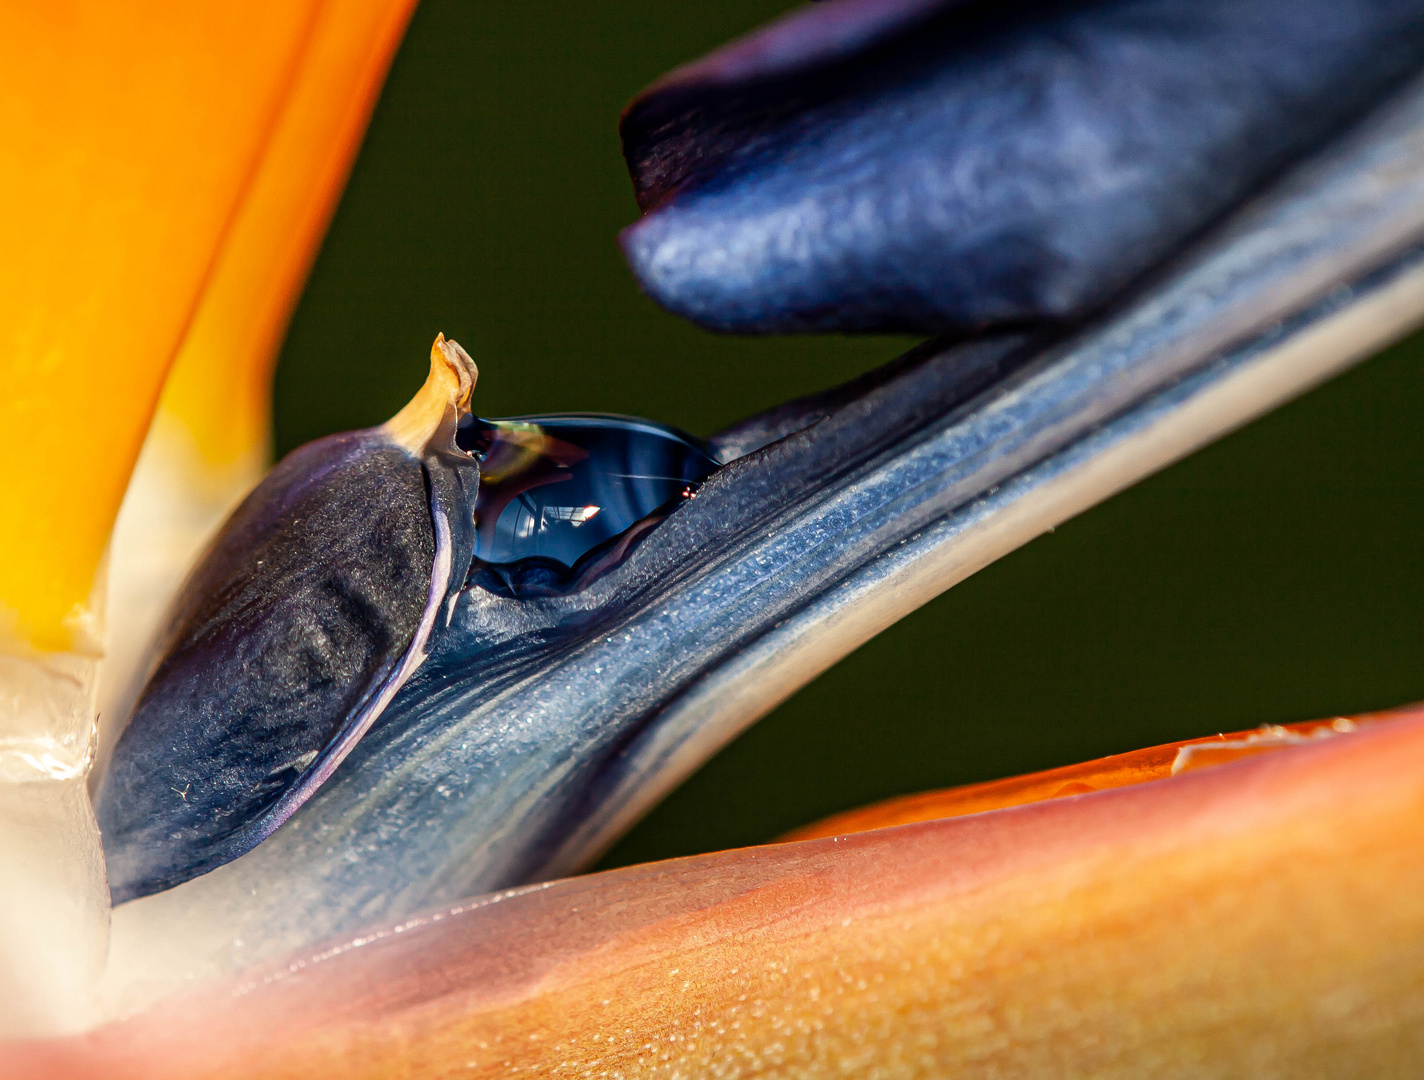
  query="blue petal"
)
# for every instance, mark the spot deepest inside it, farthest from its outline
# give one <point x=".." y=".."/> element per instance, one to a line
<point x="963" y="165"/>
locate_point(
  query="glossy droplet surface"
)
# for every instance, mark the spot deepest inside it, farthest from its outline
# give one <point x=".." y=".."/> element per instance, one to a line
<point x="556" y="487"/>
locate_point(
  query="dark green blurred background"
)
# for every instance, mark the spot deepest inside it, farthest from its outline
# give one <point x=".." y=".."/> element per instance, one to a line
<point x="1273" y="577"/>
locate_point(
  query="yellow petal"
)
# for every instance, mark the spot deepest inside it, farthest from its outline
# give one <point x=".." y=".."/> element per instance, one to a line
<point x="1261" y="918"/>
<point x="133" y="132"/>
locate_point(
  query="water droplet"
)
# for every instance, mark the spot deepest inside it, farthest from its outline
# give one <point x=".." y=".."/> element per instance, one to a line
<point x="556" y="487"/>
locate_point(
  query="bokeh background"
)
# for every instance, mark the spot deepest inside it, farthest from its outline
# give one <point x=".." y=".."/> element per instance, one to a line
<point x="1273" y="577"/>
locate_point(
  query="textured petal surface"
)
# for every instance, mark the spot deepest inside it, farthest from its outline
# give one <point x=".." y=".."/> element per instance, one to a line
<point x="310" y="608"/>
<point x="1262" y="918"/>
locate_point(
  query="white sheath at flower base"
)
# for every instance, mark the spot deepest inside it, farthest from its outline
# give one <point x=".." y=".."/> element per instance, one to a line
<point x="54" y="903"/>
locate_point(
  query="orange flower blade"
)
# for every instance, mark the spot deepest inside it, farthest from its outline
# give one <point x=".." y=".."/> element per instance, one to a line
<point x="1119" y="770"/>
<point x="131" y="134"/>
<point x="219" y="390"/>
<point x="1264" y="918"/>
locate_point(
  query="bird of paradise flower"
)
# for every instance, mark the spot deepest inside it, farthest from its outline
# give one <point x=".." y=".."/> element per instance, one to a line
<point x="1257" y="916"/>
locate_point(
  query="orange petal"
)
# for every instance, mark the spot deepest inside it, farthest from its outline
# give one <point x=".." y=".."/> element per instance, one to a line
<point x="1263" y="918"/>
<point x="133" y="133"/>
<point x="1119" y="770"/>
<point x="220" y="386"/>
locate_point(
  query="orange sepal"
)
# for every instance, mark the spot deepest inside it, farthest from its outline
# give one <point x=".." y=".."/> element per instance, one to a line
<point x="134" y="132"/>
<point x="1119" y="770"/>
<point x="1263" y="918"/>
<point x="220" y="387"/>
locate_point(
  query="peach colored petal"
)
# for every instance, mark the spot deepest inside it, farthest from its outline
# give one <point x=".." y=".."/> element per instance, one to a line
<point x="1264" y="918"/>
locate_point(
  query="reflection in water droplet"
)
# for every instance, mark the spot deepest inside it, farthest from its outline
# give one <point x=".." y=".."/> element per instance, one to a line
<point x="553" y="488"/>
